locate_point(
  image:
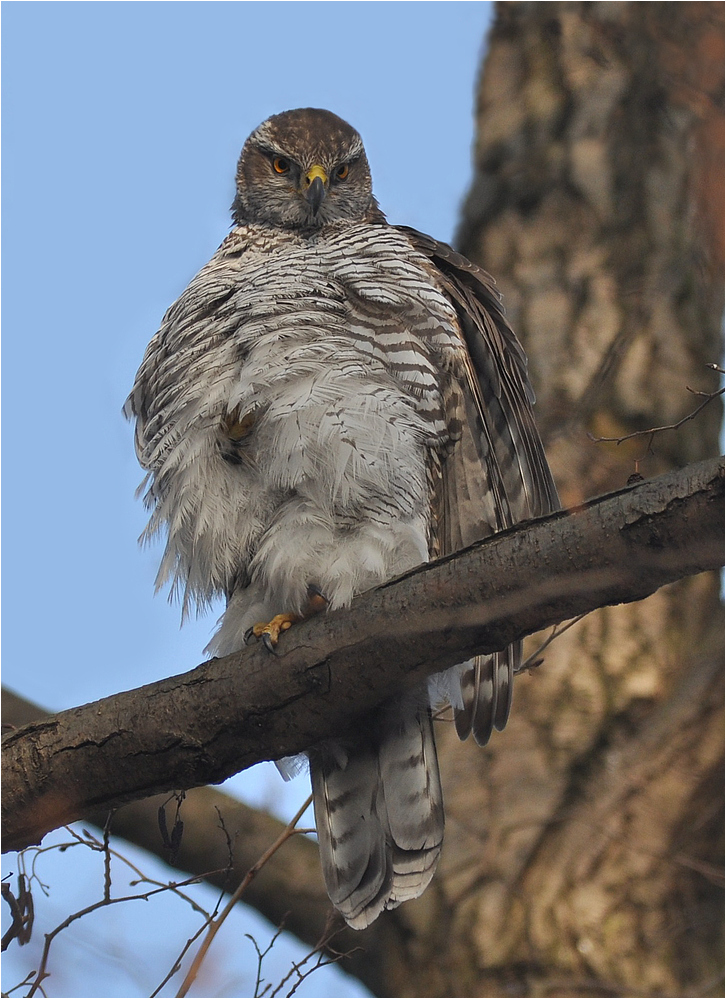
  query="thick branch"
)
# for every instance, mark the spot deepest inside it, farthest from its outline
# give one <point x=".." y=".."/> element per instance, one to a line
<point x="227" y="714"/>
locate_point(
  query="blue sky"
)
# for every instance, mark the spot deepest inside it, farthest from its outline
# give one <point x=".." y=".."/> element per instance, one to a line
<point x="121" y="127"/>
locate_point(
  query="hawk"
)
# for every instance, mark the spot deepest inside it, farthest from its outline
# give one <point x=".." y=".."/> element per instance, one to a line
<point x="332" y="401"/>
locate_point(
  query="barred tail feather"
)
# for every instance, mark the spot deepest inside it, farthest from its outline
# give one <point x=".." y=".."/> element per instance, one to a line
<point x="487" y="683"/>
<point x="414" y="803"/>
<point x="379" y="814"/>
<point x="351" y="836"/>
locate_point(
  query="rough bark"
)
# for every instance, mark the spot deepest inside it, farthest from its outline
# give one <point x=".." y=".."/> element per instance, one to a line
<point x="230" y="713"/>
<point x="583" y="844"/>
<point x="288" y="888"/>
<point x="597" y="204"/>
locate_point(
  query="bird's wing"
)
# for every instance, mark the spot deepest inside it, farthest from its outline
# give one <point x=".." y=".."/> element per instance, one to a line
<point x="180" y="404"/>
<point x="497" y="474"/>
<point x="182" y="354"/>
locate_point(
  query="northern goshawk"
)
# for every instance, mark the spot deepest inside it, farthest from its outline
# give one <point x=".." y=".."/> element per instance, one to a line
<point x="332" y="401"/>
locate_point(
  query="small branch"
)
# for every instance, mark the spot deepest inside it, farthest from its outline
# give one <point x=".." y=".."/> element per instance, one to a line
<point x="42" y="974"/>
<point x="534" y="659"/>
<point x="215" y="924"/>
<point x="652" y="431"/>
<point x="322" y="960"/>
<point x="192" y="939"/>
<point x="261" y="955"/>
<point x="36" y="979"/>
<point x="21" y="909"/>
<point x="107" y="858"/>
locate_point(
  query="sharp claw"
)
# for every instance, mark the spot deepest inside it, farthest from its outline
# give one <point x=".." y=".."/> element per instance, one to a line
<point x="270" y="631"/>
<point x="267" y="642"/>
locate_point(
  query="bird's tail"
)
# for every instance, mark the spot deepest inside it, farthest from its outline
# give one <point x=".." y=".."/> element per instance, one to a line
<point x="480" y="692"/>
<point x="486" y="690"/>
<point x="379" y="812"/>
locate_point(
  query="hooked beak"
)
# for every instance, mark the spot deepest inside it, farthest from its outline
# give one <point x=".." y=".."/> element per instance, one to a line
<point x="314" y="187"/>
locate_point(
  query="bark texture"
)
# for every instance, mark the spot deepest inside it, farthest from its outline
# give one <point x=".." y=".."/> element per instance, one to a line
<point x="228" y="714"/>
<point x="584" y="844"/>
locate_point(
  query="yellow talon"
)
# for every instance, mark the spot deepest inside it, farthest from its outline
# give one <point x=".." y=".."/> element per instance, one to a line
<point x="270" y="631"/>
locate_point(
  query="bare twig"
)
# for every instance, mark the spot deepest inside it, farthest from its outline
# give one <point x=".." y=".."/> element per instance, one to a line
<point x="534" y="659"/>
<point x="322" y="961"/>
<point x="651" y="432"/>
<point x="332" y="929"/>
<point x="36" y="978"/>
<point x="215" y="924"/>
<point x="21" y="909"/>
<point x="21" y="985"/>
<point x="228" y="838"/>
<point x="172" y="842"/>
<point x="261" y="955"/>
<point x="42" y="974"/>
<point x="94" y="844"/>
<point x="195" y="936"/>
<point x="107" y="857"/>
<point x="209" y="917"/>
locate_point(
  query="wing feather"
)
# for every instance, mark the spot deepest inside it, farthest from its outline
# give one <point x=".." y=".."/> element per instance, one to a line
<point x="497" y="474"/>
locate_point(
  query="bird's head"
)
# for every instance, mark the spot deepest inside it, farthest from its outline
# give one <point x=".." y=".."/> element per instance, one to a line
<point x="302" y="169"/>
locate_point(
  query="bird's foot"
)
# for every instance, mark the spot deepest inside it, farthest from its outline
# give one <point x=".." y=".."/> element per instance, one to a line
<point x="269" y="631"/>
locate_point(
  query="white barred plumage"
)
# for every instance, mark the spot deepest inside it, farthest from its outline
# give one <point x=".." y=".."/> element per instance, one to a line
<point x="331" y="401"/>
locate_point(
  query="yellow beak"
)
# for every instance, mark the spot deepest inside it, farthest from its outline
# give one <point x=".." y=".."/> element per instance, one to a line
<point x="315" y="171"/>
<point x="314" y="186"/>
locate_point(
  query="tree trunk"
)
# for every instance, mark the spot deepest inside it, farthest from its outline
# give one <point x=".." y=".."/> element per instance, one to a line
<point x="584" y="844"/>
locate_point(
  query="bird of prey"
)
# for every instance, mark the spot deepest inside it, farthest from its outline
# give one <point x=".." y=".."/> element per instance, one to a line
<point x="332" y="401"/>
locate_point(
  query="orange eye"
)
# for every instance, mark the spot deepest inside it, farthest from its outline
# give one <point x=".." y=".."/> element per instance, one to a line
<point x="281" y="165"/>
<point x="342" y="172"/>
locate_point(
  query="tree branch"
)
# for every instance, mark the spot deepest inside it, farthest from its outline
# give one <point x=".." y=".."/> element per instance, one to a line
<point x="289" y="889"/>
<point x="227" y="714"/>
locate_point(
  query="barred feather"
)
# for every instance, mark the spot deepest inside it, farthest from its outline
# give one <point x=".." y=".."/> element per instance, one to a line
<point x="379" y="813"/>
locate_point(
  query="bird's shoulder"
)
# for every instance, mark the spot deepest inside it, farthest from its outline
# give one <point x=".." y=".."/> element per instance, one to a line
<point x="474" y="294"/>
<point x="497" y="395"/>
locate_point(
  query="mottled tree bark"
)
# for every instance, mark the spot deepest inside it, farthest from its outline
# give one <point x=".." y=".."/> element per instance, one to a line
<point x="584" y="844"/>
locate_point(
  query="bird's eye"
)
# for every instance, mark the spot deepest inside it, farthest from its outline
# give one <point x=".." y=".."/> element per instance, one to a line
<point x="342" y="172"/>
<point x="281" y="165"/>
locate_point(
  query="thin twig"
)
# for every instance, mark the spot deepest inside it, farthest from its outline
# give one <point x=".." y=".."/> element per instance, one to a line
<point x="558" y="630"/>
<point x="332" y="929"/>
<point x="215" y="924"/>
<point x="261" y="955"/>
<point x="177" y="964"/>
<point x="107" y="856"/>
<point x="173" y="887"/>
<point x="49" y="937"/>
<point x="209" y="916"/>
<point x="22" y="912"/>
<point x="90" y="841"/>
<point x="652" y="431"/>
<point x="20" y="985"/>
